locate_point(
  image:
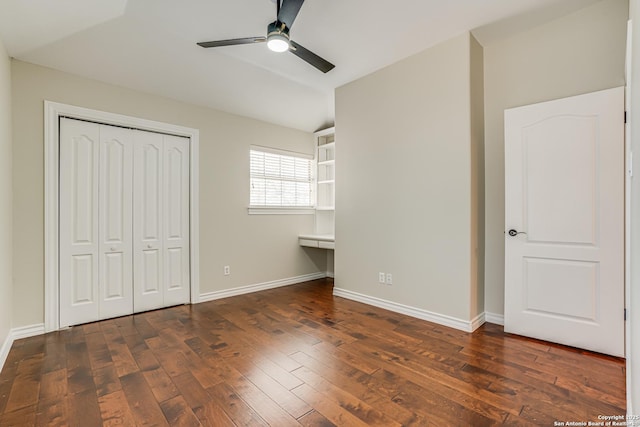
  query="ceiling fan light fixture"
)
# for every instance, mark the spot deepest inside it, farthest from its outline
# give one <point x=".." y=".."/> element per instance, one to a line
<point x="278" y="37"/>
<point x="278" y="42"/>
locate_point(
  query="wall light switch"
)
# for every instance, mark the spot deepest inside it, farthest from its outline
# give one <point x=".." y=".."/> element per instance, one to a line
<point x="381" y="277"/>
<point x="227" y="270"/>
<point x="389" y="279"/>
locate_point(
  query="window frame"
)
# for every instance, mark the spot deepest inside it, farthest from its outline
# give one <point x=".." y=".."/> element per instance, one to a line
<point x="284" y="210"/>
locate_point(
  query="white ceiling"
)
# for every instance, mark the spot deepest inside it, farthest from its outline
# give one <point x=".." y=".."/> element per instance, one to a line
<point x="150" y="45"/>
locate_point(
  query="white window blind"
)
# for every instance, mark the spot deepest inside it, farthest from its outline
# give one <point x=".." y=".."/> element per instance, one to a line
<point x="280" y="180"/>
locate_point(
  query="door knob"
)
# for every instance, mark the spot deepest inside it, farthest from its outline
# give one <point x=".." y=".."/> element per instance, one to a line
<point x="514" y="232"/>
<point x="149" y="246"/>
<point x="113" y="249"/>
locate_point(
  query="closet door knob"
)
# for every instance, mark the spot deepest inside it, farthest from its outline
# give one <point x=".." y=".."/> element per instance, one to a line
<point x="113" y="249"/>
<point x="149" y="246"/>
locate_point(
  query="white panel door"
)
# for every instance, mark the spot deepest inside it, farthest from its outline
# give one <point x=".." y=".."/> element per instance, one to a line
<point x="148" y="220"/>
<point x="176" y="220"/>
<point x="160" y="220"/>
<point x="79" y="232"/>
<point x="564" y="245"/>
<point x="116" y="240"/>
<point x="124" y="221"/>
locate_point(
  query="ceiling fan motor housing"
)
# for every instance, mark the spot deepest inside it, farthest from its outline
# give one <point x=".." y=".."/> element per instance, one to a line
<point x="278" y="37"/>
<point x="277" y="27"/>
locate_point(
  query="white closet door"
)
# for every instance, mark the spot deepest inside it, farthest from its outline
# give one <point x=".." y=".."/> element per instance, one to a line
<point x="116" y="240"/>
<point x="79" y="240"/>
<point x="148" y="173"/>
<point x="176" y="221"/>
<point x="95" y="222"/>
<point x="160" y="220"/>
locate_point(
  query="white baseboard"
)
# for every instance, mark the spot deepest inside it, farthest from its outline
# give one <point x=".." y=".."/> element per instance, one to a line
<point x="4" y="350"/>
<point x="226" y="293"/>
<point x="494" y="318"/>
<point x="16" y="334"/>
<point x="330" y="275"/>
<point x="478" y="321"/>
<point x="441" y="319"/>
<point x="27" y="331"/>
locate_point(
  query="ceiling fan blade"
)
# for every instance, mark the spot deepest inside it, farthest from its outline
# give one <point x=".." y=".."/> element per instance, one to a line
<point x="231" y="42"/>
<point x="288" y="11"/>
<point x="313" y="59"/>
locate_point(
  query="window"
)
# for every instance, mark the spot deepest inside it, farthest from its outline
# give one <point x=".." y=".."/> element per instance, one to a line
<point x="280" y="179"/>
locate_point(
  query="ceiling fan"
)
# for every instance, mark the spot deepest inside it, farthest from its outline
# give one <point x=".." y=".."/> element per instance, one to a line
<point x="278" y="39"/>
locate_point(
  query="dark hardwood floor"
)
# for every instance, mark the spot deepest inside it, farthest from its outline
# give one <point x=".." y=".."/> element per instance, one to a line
<point x="299" y="356"/>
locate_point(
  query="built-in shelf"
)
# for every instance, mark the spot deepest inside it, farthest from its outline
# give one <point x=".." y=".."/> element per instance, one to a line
<point x="328" y="146"/>
<point x="323" y="235"/>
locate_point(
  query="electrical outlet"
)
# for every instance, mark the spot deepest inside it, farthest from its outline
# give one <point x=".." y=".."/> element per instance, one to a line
<point x="389" y="279"/>
<point x="381" y="277"/>
<point x="227" y="270"/>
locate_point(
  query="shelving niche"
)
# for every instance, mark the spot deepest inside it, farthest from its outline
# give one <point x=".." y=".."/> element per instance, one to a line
<point x="323" y="236"/>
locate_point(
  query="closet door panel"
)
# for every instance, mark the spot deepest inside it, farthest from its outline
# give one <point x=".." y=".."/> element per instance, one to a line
<point x="176" y="255"/>
<point x="116" y="240"/>
<point x="113" y="276"/>
<point x="148" y="173"/>
<point x="175" y="263"/>
<point x="151" y="197"/>
<point x="82" y="283"/>
<point x="79" y="241"/>
<point x="151" y="272"/>
<point x="124" y="221"/>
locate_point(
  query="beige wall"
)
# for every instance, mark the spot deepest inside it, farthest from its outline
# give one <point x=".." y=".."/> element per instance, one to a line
<point x="6" y="196"/>
<point x="477" y="178"/>
<point x="579" y="53"/>
<point x="633" y="363"/>
<point x="258" y="248"/>
<point x="403" y="203"/>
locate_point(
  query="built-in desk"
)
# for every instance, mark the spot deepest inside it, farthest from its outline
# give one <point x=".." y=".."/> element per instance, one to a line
<point x="322" y="241"/>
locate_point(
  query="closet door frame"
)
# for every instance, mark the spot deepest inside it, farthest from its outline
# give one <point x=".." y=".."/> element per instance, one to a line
<point x="52" y="113"/>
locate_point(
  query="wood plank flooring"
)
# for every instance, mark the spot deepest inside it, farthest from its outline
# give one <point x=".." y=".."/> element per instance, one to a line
<point x="299" y="356"/>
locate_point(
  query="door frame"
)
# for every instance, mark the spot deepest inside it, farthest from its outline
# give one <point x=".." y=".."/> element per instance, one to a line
<point x="52" y="113"/>
<point x="628" y="182"/>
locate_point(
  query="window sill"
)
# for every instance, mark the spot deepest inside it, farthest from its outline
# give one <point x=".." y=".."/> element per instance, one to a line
<point x="260" y="210"/>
